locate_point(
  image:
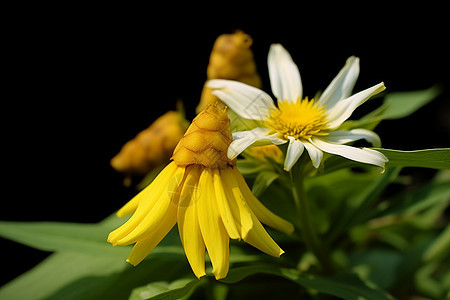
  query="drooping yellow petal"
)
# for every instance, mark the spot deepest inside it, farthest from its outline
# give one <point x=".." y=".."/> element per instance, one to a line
<point x="188" y="225"/>
<point x="256" y="235"/>
<point x="239" y="209"/>
<point x="213" y="231"/>
<point x="152" y="189"/>
<point x="145" y="245"/>
<point x="157" y="213"/>
<point x="259" y="238"/>
<point x="224" y="208"/>
<point x="261" y="212"/>
<point x="144" y="201"/>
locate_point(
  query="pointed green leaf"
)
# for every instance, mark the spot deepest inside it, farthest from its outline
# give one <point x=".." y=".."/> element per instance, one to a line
<point x="395" y="106"/>
<point x="403" y="104"/>
<point x="438" y="158"/>
<point x="79" y="237"/>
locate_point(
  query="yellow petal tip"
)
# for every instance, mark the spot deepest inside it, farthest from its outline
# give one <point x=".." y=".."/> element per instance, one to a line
<point x="134" y="264"/>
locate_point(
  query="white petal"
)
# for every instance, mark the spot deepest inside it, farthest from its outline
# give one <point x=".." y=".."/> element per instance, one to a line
<point x="345" y="107"/>
<point x="315" y="154"/>
<point x="342" y="85"/>
<point x="363" y="155"/>
<point x="343" y="137"/>
<point x="294" y="151"/>
<point x="243" y="139"/>
<point x="284" y="76"/>
<point x="247" y="101"/>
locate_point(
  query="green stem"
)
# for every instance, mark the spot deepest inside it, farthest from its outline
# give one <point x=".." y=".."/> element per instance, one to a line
<point x="309" y="234"/>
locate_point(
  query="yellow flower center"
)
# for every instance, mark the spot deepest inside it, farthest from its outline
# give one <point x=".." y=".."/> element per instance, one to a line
<point x="301" y="119"/>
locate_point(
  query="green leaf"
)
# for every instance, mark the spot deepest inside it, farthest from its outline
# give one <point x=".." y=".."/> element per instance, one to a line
<point x="349" y="288"/>
<point x="403" y="104"/>
<point x="79" y="237"/>
<point x="438" y="158"/>
<point x="360" y="206"/>
<point x="72" y="275"/>
<point x="413" y="201"/>
<point x="439" y="247"/>
<point x="377" y="265"/>
<point x="248" y="166"/>
<point x="178" y="289"/>
<point x="60" y="236"/>
<point x="263" y="181"/>
<point x="85" y="265"/>
<point x="395" y="106"/>
<point x="331" y="192"/>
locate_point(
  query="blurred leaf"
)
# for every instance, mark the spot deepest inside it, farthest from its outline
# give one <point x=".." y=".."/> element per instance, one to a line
<point x="248" y="166"/>
<point x="218" y="291"/>
<point x="331" y="191"/>
<point x="428" y="285"/>
<point x="262" y="181"/>
<point x="413" y="201"/>
<point x="395" y="106"/>
<point x="439" y="247"/>
<point x="379" y="265"/>
<point x="359" y="206"/>
<point x="403" y="104"/>
<point x="178" y="289"/>
<point x="438" y="158"/>
<point x="349" y="288"/>
<point x="279" y="200"/>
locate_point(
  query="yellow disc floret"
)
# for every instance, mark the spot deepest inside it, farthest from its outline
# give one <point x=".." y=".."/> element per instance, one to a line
<point x="301" y="119"/>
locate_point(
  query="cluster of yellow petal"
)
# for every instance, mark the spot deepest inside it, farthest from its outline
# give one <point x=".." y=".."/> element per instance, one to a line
<point x="210" y="201"/>
<point x="210" y="206"/>
<point x="231" y="58"/>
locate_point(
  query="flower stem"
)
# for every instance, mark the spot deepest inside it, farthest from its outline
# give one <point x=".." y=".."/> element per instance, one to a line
<point x="309" y="234"/>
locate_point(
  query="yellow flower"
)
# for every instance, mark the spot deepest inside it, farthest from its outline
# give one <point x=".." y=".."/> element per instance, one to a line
<point x="205" y="194"/>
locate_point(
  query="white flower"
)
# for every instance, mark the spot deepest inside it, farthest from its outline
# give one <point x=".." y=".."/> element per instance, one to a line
<point x="304" y="124"/>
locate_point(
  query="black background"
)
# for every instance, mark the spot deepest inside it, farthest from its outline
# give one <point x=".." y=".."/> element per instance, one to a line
<point x="81" y="81"/>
